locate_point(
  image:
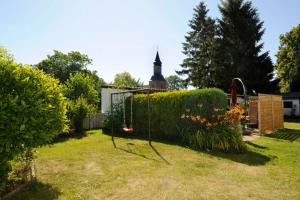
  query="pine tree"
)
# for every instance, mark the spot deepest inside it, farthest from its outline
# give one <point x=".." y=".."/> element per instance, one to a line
<point x="240" y="47"/>
<point x="198" y="65"/>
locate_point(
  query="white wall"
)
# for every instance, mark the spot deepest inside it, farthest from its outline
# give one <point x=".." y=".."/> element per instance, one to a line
<point x="105" y="98"/>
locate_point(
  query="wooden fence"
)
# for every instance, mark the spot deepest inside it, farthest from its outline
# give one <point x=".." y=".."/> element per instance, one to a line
<point x="253" y="109"/>
<point x="93" y="121"/>
<point x="270" y="112"/>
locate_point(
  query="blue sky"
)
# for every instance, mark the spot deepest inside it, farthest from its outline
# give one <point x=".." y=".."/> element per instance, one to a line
<point x="120" y="35"/>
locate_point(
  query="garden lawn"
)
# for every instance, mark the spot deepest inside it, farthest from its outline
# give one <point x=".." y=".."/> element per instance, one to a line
<point x="91" y="168"/>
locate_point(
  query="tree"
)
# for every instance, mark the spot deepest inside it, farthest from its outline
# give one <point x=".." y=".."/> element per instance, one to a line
<point x="83" y="97"/>
<point x="174" y="82"/>
<point x="126" y="80"/>
<point x="32" y="110"/>
<point x="239" y="47"/>
<point x="288" y="61"/>
<point x="81" y="85"/>
<point x="199" y="65"/>
<point x="61" y="65"/>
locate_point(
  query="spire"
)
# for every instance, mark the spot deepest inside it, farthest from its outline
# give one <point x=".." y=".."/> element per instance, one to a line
<point x="157" y="61"/>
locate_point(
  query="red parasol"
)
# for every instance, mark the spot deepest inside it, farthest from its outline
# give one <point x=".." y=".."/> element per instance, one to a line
<point x="233" y="93"/>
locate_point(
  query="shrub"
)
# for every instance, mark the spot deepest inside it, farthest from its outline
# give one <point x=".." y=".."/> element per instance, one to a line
<point x="79" y="109"/>
<point x="32" y="110"/>
<point x="81" y="85"/>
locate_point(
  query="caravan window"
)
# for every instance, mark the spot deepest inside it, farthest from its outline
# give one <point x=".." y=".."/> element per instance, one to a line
<point x="288" y="104"/>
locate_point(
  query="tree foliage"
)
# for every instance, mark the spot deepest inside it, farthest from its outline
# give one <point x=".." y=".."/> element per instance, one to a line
<point x="32" y="109"/>
<point x="61" y="65"/>
<point x="240" y="47"/>
<point x="83" y="96"/>
<point x="126" y="80"/>
<point x="218" y="51"/>
<point x="79" y="109"/>
<point x="81" y="85"/>
<point x="174" y="82"/>
<point x="288" y="61"/>
<point x="199" y="47"/>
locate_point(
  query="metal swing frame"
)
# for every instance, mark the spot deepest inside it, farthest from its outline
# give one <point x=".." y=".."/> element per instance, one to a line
<point x="148" y="91"/>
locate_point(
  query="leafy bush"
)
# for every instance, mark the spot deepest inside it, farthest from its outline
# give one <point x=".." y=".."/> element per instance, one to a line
<point x="79" y="109"/>
<point x="117" y="116"/>
<point x="32" y="110"/>
<point x="81" y="85"/>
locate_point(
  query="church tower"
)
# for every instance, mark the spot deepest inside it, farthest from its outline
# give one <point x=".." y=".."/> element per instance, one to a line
<point x="157" y="80"/>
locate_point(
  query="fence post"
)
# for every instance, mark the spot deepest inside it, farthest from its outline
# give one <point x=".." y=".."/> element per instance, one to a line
<point x="272" y="112"/>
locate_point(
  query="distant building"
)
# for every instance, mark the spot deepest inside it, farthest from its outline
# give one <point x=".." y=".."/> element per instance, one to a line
<point x="157" y="80"/>
<point x="291" y="104"/>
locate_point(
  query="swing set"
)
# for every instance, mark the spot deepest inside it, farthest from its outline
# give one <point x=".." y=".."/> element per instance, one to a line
<point x="129" y="129"/>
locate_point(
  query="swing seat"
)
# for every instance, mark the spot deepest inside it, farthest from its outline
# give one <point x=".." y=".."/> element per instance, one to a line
<point x="128" y="130"/>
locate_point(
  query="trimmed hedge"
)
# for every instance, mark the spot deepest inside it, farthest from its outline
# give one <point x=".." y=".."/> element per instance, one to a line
<point x="167" y="109"/>
<point x="190" y="117"/>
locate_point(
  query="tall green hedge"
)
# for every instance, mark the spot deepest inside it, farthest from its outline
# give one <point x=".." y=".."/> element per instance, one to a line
<point x="174" y="116"/>
<point x="167" y="109"/>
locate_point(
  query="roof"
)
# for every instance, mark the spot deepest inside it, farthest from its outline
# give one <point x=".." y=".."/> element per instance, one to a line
<point x="157" y="77"/>
<point x="291" y="95"/>
<point x="157" y="60"/>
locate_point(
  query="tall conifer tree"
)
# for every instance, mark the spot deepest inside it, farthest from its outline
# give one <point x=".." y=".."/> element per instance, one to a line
<point x="198" y="66"/>
<point x="240" y="47"/>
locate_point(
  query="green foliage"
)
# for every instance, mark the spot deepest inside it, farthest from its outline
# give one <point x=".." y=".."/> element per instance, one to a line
<point x="81" y="90"/>
<point x="288" y="61"/>
<point x="79" y="109"/>
<point x="81" y="85"/>
<point x="32" y="110"/>
<point x="167" y="109"/>
<point x="218" y="52"/>
<point x="116" y="116"/>
<point x="199" y="47"/>
<point x="126" y="80"/>
<point x="174" y="82"/>
<point x="227" y="138"/>
<point x="61" y="65"/>
<point x="239" y="47"/>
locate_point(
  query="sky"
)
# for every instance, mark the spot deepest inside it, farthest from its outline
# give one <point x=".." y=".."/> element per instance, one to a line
<point x="121" y="35"/>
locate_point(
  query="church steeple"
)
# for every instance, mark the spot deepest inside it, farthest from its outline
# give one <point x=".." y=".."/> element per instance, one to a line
<point x="157" y="60"/>
<point x="157" y="80"/>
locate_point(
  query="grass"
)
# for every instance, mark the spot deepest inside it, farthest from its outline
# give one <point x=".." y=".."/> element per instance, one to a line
<point x="91" y="168"/>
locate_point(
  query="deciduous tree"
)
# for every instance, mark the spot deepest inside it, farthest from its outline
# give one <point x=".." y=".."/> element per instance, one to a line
<point x="126" y="80"/>
<point x="174" y="82"/>
<point x="288" y="61"/>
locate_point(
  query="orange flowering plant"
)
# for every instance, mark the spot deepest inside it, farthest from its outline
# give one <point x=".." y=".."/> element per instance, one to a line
<point x="232" y="116"/>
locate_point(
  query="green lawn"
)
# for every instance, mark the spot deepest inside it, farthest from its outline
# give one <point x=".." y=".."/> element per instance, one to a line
<point x="91" y="168"/>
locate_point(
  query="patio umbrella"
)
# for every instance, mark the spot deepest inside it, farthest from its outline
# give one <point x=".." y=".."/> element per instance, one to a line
<point x="233" y="93"/>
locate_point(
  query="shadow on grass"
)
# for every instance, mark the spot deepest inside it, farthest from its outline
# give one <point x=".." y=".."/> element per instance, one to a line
<point x="255" y="145"/>
<point x="247" y="157"/>
<point x="157" y="153"/>
<point x="36" y="191"/>
<point x="285" y="134"/>
<point x="134" y="153"/>
<point x="72" y="135"/>
<point x="135" y="136"/>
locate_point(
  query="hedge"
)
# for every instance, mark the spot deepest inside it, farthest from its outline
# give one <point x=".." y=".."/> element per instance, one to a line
<point x="190" y="117"/>
<point x="167" y="109"/>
